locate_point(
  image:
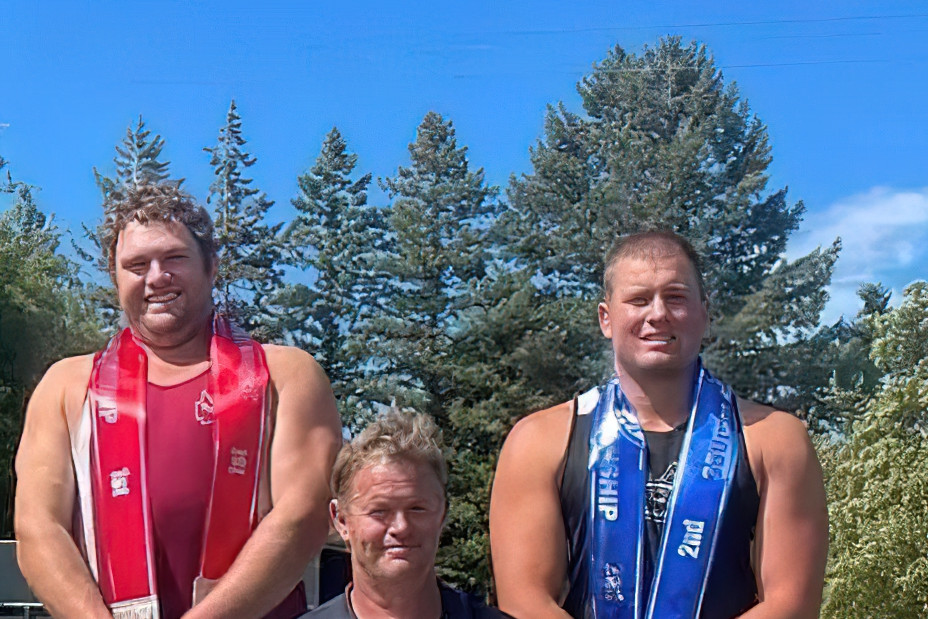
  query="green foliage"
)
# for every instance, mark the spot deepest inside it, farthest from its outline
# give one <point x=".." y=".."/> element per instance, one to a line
<point x="664" y="143"/>
<point x="44" y="316"/>
<point x="852" y="377"/>
<point x="136" y="162"/>
<point x="877" y="477"/>
<point x="250" y="254"/>
<point x="342" y="239"/>
<point x="438" y="258"/>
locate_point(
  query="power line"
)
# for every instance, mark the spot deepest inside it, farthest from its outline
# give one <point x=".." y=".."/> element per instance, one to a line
<point x="731" y="23"/>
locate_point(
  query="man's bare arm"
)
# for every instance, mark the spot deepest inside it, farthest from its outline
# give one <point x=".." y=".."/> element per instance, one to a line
<point x="791" y="544"/>
<point x="527" y="540"/>
<point x="45" y="497"/>
<point x="306" y="438"/>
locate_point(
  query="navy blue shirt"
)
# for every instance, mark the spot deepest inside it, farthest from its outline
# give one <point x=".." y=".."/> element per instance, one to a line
<point x="454" y="605"/>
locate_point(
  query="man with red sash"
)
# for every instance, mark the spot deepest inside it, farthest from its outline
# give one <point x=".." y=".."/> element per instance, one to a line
<point x="659" y="494"/>
<point x="182" y="470"/>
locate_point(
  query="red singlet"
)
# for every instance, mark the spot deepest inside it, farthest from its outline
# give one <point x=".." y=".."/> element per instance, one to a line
<point x="180" y="476"/>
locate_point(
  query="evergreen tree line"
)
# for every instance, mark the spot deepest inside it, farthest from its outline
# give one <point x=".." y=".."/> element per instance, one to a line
<point x="477" y="304"/>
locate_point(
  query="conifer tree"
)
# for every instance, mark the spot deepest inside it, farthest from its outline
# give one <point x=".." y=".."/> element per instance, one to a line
<point x="665" y="143"/>
<point x="442" y="211"/>
<point x="250" y="256"/>
<point x="341" y="239"/>
<point x="136" y="162"/>
<point x="439" y="213"/>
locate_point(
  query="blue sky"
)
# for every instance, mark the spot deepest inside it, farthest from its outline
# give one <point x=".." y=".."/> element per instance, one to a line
<point x="841" y="86"/>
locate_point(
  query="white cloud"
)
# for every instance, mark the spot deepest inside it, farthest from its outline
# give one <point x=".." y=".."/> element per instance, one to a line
<point x="884" y="235"/>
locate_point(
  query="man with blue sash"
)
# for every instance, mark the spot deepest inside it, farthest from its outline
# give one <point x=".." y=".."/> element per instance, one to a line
<point x="659" y="494"/>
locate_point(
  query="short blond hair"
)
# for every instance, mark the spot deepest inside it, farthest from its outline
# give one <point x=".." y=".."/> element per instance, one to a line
<point x="394" y="436"/>
<point x="643" y="244"/>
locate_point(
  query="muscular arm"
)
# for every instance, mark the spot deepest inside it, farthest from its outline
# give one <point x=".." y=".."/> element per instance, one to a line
<point x="527" y="539"/>
<point x="306" y="438"/>
<point x="45" y="497"/>
<point x="791" y="543"/>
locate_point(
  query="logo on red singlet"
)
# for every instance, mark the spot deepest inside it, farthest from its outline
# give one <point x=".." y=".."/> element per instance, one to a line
<point x="238" y="460"/>
<point x="204" y="408"/>
<point x="119" y="482"/>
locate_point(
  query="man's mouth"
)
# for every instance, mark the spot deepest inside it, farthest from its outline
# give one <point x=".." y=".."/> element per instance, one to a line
<point x="665" y="339"/>
<point x="161" y="300"/>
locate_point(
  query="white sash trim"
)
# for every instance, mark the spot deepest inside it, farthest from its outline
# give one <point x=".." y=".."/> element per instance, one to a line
<point x="586" y="402"/>
<point x="80" y="458"/>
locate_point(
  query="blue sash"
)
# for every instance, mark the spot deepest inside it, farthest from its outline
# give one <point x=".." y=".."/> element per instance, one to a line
<point x="618" y="469"/>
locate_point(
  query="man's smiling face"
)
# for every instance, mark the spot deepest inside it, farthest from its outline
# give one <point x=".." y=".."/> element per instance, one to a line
<point x="164" y="282"/>
<point x="391" y="520"/>
<point x="655" y="314"/>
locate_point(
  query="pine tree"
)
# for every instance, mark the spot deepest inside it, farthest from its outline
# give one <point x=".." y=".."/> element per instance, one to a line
<point x="136" y="162"/>
<point x="250" y="255"/>
<point x="422" y="340"/>
<point x="439" y="218"/>
<point x="664" y="143"/>
<point x="341" y="239"/>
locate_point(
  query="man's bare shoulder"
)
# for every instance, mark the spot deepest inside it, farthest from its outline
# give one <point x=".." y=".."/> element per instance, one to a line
<point x="760" y="418"/>
<point x="540" y="438"/>
<point x="71" y="370"/>
<point x="66" y="382"/>
<point x="287" y="363"/>
<point x="777" y="441"/>
<point x="548" y="424"/>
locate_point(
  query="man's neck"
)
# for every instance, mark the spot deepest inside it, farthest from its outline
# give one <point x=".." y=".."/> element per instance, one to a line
<point x="662" y="399"/>
<point x="409" y="597"/>
<point x="169" y="365"/>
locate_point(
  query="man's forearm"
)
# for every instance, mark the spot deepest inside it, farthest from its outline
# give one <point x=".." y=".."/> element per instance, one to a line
<point x="57" y="574"/>
<point x="536" y="610"/>
<point x="265" y="571"/>
<point x="772" y="610"/>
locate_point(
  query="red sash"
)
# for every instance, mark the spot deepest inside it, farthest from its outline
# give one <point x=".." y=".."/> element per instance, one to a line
<point x="237" y="382"/>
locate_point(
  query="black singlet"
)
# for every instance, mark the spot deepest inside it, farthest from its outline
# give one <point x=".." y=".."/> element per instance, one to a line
<point x="731" y="588"/>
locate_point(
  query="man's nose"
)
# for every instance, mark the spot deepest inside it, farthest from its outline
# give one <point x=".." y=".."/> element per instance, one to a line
<point x="399" y="523"/>
<point x="157" y="274"/>
<point x="657" y="310"/>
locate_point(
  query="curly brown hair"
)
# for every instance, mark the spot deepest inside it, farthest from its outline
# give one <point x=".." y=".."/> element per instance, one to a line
<point x="161" y="201"/>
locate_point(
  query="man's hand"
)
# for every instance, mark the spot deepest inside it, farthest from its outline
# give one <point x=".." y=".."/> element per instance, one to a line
<point x="307" y="436"/>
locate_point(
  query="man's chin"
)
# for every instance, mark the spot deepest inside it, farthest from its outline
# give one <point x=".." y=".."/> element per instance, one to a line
<point x="163" y="330"/>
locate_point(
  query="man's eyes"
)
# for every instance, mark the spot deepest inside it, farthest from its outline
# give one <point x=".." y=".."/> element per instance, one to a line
<point x="384" y="513"/>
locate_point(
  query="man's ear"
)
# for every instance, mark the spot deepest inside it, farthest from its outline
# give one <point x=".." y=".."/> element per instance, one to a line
<point x="605" y="320"/>
<point x="338" y="520"/>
